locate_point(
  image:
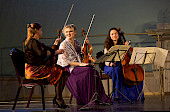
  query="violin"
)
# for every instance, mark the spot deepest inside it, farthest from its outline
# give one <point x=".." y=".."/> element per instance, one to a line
<point x="87" y="50"/>
<point x="133" y="74"/>
<point x="56" y="47"/>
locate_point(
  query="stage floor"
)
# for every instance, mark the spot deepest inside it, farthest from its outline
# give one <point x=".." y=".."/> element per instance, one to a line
<point x="151" y="103"/>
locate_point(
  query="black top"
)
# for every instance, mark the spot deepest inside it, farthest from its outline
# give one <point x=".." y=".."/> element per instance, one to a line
<point x="36" y="53"/>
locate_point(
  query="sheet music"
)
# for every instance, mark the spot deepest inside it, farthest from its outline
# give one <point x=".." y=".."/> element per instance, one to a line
<point x="104" y="57"/>
<point x="148" y="55"/>
<point x="137" y="55"/>
<point x="161" y="55"/>
<point x="142" y="55"/>
<point x="120" y="51"/>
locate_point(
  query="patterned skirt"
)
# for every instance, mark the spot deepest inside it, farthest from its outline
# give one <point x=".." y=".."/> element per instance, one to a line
<point x="51" y="73"/>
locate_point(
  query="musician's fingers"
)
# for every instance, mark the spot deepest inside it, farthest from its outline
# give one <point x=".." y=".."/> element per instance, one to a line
<point x="59" y="51"/>
<point x="127" y="43"/>
<point x="87" y="41"/>
<point x="57" y="41"/>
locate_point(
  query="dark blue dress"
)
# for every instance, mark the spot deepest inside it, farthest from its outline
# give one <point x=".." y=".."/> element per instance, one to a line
<point x="131" y="92"/>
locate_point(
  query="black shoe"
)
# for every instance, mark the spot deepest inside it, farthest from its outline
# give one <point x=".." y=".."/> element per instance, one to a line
<point x="60" y="103"/>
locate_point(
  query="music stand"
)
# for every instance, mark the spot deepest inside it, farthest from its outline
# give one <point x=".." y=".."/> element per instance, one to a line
<point x="148" y="55"/>
<point x="95" y="95"/>
<point x="115" y="53"/>
<point x="143" y="55"/>
<point x="119" y="54"/>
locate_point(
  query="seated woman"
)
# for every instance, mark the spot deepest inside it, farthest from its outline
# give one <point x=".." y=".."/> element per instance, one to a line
<point x="39" y="64"/>
<point x="114" y="69"/>
<point x="81" y="82"/>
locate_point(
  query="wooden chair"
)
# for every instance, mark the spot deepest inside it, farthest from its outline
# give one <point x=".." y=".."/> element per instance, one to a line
<point x="18" y="60"/>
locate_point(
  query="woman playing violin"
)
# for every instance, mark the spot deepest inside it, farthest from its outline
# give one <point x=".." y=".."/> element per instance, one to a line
<point x="81" y="81"/>
<point x="37" y="57"/>
<point x="114" y="69"/>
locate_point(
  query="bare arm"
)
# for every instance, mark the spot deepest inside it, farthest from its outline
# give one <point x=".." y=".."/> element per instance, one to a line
<point x="78" y="64"/>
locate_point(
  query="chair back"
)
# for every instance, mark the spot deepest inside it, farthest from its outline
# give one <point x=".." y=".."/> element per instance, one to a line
<point x="18" y="60"/>
<point x="99" y="54"/>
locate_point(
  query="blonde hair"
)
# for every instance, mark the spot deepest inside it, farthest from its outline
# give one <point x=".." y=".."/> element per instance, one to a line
<point x="31" y="31"/>
<point x="72" y="26"/>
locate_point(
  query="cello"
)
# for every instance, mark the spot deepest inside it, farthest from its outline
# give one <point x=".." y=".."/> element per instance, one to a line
<point x="132" y="74"/>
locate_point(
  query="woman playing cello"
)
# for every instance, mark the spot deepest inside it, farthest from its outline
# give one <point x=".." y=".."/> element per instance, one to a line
<point x="114" y="69"/>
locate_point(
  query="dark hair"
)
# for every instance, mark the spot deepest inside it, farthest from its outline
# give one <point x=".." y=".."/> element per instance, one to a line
<point x="34" y="26"/>
<point x="109" y="42"/>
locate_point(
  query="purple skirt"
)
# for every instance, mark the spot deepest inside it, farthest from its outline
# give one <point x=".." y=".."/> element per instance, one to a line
<point x="81" y="83"/>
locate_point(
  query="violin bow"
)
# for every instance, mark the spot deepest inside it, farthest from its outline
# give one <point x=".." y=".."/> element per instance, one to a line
<point x="67" y="17"/>
<point x="88" y="29"/>
<point x="90" y="25"/>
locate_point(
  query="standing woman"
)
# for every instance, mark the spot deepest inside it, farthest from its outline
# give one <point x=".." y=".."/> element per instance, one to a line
<point x="114" y="69"/>
<point x="39" y="63"/>
<point x="81" y="82"/>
